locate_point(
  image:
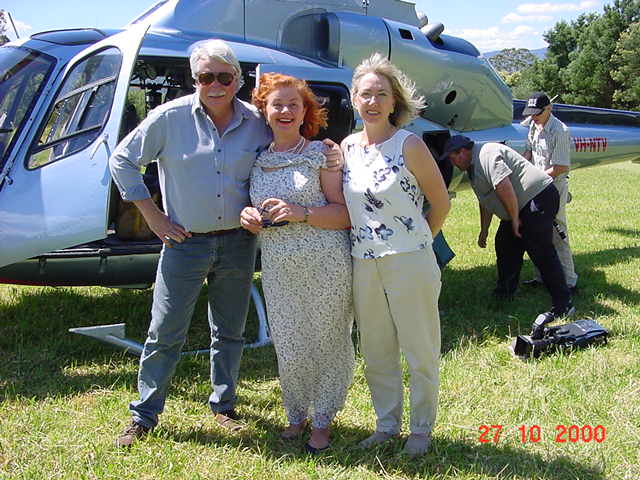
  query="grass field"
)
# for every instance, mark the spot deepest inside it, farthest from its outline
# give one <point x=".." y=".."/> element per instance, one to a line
<point x="63" y="398"/>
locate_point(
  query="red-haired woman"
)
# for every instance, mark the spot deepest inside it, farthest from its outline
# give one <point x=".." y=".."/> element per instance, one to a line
<point x="299" y="212"/>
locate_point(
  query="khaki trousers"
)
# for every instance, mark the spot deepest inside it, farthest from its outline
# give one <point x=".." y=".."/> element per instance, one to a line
<point x="561" y="236"/>
<point x="396" y="305"/>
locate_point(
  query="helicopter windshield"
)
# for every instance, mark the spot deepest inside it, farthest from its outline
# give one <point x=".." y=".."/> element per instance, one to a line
<point x="23" y="74"/>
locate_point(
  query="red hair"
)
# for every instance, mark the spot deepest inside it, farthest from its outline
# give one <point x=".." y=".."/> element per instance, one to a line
<point x="315" y="116"/>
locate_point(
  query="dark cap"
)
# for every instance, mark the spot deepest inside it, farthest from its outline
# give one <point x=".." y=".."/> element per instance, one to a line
<point x="536" y="103"/>
<point x="455" y="143"/>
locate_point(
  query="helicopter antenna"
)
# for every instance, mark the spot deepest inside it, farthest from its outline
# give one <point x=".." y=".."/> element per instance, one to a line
<point x="12" y="24"/>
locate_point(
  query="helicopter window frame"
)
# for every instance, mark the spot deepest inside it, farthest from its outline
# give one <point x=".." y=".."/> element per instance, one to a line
<point x="88" y="95"/>
<point x="16" y="130"/>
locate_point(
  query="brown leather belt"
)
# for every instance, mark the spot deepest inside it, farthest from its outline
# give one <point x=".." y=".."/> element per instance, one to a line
<point x="214" y="233"/>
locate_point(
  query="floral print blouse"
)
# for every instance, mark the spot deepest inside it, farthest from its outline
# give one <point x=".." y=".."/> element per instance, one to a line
<point x="383" y="198"/>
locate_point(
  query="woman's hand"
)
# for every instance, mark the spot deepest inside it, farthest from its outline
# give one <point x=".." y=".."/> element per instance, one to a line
<point x="251" y="220"/>
<point x="280" y="211"/>
<point x="334" y="155"/>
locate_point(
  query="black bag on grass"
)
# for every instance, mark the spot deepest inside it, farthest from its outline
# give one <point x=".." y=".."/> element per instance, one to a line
<point x="571" y="335"/>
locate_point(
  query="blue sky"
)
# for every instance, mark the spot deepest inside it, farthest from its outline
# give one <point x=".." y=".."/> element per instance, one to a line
<point x="490" y="25"/>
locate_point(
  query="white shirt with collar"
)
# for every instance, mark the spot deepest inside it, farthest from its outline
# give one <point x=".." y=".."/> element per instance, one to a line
<point x="550" y="145"/>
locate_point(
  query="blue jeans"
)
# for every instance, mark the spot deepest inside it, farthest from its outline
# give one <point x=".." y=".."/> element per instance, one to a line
<point x="227" y="263"/>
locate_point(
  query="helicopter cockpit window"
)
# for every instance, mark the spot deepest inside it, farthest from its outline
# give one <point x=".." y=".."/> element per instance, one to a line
<point x="23" y="74"/>
<point x="80" y="110"/>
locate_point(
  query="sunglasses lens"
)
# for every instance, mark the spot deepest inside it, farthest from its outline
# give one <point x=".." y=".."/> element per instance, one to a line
<point x="207" y="78"/>
<point x="225" y="78"/>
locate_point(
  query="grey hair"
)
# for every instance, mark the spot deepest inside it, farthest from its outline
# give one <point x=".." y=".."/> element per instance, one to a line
<point x="408" y="102"/>
<point x="214" y="49"/>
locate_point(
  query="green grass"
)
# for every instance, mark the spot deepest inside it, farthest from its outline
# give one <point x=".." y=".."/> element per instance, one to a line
<point x="63" y="398"/>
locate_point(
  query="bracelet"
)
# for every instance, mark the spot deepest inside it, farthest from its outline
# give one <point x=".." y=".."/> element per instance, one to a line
<point x="306" y="215"/>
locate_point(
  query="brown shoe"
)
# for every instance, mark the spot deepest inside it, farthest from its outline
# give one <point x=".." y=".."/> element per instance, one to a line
<point x="294" y="430"/>
<point x="134" y="431"/>
<point x="229" y="420"/>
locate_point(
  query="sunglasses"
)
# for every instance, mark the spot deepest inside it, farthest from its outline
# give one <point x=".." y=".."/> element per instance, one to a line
<point x="207" y="78"/>
<point x="266" y="221"/>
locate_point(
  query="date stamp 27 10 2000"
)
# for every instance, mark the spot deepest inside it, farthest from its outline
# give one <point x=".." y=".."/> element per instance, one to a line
<point x="534" y="433"/>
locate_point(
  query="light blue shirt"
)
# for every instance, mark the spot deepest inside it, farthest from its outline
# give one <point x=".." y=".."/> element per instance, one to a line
<point x="204" y="177"/>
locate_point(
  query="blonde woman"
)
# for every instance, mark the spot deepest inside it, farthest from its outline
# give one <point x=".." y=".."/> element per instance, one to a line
<point x="396" y="280"/>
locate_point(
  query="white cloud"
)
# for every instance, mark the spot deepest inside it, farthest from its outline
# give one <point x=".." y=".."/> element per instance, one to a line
<point x="538" y="8"/>
<point x="494" y="38"/>
<point x="515" y="18"/>
<point x="23" y="29"/>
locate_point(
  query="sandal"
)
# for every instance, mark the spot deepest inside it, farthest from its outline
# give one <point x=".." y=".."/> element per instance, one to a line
<point x="316" y="450"/>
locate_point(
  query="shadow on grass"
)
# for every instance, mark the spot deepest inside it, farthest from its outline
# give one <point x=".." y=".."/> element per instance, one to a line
<point x="37" y="348"/>
<point x="42" y="359"/>
<point x="470" y="313"/>
<point x="627" y="232"/>
<point x="447" y="456"/>
<point x="39" y="354"/>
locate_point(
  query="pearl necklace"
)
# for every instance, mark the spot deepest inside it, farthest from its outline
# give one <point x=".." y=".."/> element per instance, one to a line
<point x="297" y="148"/>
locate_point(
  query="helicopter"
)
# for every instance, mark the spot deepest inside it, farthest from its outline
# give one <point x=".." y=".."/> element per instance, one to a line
<point x="67" y="97"/>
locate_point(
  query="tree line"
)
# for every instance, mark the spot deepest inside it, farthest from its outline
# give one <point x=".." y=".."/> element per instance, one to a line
<point x="593" y="60"/>
<point x="3" y="28"/>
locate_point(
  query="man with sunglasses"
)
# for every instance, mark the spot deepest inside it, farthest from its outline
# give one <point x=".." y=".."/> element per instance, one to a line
<point x="548" y="148"/>
<point x="205" y="145"/>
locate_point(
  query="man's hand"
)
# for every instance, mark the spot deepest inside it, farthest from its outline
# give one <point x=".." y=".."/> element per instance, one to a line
<point x="482" y="239"/>
<point x="251" y="220"/>
<point x="485" y="220"/>
<point x="507" y="196"/>
<point x="516" y="223"/>
<point x="166" y="230"/>
<point x="334" y="155"/>
<point x="556" y="170"/>
<point x="160" y="223"/>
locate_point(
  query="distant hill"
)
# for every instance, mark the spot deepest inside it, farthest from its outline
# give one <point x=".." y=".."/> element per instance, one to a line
<point x="539" y="52"/>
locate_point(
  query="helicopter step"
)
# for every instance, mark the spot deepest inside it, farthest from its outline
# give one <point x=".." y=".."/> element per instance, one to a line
<point x="115" y="334"/>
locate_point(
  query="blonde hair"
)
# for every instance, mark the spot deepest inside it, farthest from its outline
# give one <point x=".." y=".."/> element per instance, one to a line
<point x="214" y="49"/>
<point x="408" y="102"/>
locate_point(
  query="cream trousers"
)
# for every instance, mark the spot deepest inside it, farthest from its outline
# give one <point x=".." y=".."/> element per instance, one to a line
<point x="396" y="304"/>
<point x="561" y="236"/>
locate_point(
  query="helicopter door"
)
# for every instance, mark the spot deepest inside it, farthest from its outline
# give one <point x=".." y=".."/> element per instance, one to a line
<point x="331" y="88"/>
<point x="57" y="191"/>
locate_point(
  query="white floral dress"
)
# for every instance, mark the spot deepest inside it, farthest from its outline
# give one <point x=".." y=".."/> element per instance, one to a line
<point x="306" y="276"/>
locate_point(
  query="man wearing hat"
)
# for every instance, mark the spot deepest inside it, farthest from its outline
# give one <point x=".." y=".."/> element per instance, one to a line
<point x="526" y="201"/>
<point x="547" y="147"/>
